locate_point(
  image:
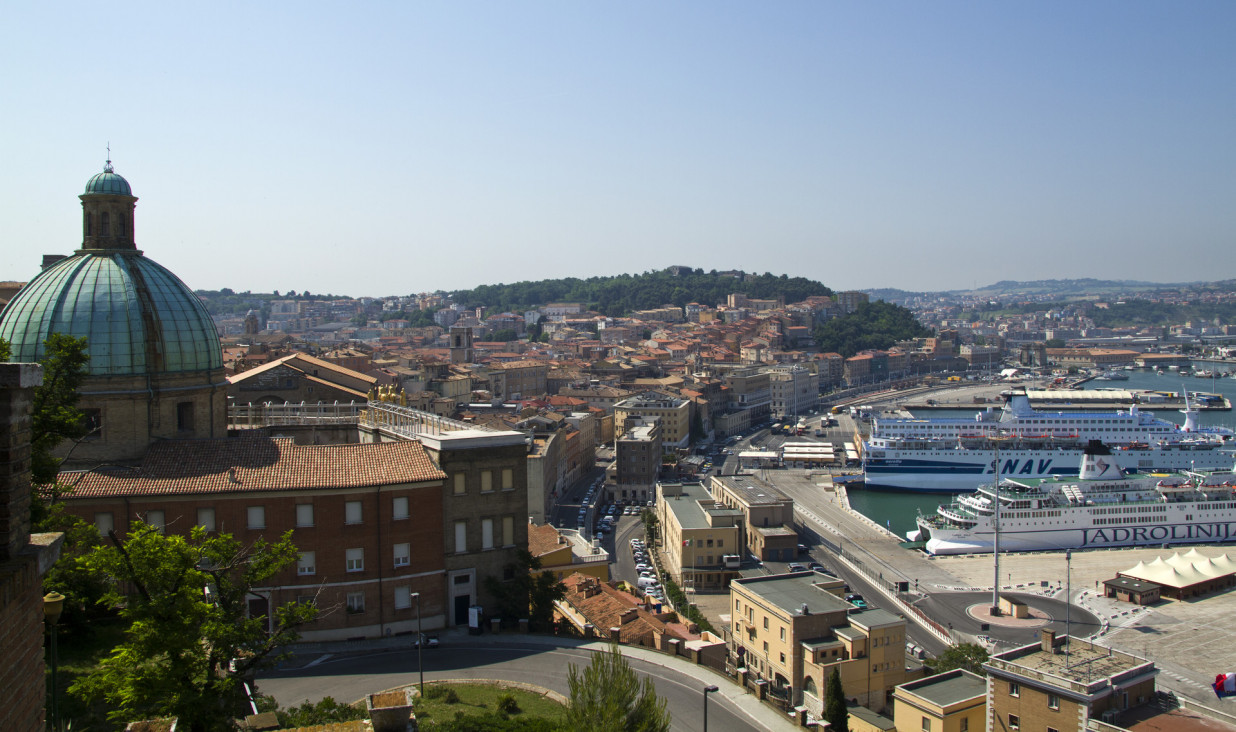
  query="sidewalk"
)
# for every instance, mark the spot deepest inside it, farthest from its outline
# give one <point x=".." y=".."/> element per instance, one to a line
<point x="760" y="715"/>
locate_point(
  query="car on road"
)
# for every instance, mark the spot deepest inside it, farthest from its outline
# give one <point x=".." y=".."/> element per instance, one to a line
<point x="815" y="567"/>
<point x="856" y="600"/>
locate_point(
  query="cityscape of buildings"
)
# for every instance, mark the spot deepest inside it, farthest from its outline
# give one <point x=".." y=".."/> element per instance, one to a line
<point x="419" y="462"/>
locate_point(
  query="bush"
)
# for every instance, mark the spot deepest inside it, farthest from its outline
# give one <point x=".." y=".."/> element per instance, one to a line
<point x="444" y="694"/>
<point x="507" y="704"/>
<point x="326" y="711"/>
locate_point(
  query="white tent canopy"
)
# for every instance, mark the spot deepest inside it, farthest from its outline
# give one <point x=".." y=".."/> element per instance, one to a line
<point x="1182" y="570"/>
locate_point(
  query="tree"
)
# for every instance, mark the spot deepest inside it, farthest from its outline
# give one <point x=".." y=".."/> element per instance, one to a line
<point x="530" y="594"/>
<point x="609" y="697"/>
<point x="190" y="642"/>
<point x="54" y="414"/>
<point x="835" y="712"/>
<point x="970" y="656"/>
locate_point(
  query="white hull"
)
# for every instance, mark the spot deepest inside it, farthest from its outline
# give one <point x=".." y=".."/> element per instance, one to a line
<point x="963" y="470"/>
<point x="945" y="541"/>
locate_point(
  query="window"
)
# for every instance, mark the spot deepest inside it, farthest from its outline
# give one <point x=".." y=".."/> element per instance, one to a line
<point x="926" y="724"/>
<point x="304" y="514"/>
<point x="355" y="560"/>
<point x="783" y="634"/>
<point x="720" y="542"/>
<point x="155" y="519"/>
<point x="1014" y="688"/>
<point x="487" y="481"/>
<point x="1052" y="729"/>
<point x="399" y="508"/>
<point x="92" y="423"/>
<point x="307" y="563"/>
<point x="1053" y="702"/>
<point x="460" y="484"/>
<point x="403" y="598"/>
<point x="461" y="537"/>
<point x="307" y="600"/>
<point x="508" y="479"/>
<point x="965" y="725"/>
<point x="402" y="555"/>
<point x="765" y="622"/>
<point x="206" y="518"/>
<point x="255" y="517"/>
<point x="1014" y="721"/>
<point x="352" y="512"/>
<point x="356" y="602"/>
<point x="103" y="522"/>
<point x="487" y="534"/>
<point x="508" y="531"/>
<point x="184" y="416"/>
<point x="782" y="659"/>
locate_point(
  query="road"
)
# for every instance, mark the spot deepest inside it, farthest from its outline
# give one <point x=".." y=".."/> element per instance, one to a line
<point x="352" y="677"/>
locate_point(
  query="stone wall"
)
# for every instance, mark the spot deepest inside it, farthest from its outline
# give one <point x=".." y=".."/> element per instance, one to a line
<point x="23" y="558"/>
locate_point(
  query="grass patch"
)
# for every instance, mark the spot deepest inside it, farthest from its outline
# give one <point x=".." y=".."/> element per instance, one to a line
<point x="436" y="710"/>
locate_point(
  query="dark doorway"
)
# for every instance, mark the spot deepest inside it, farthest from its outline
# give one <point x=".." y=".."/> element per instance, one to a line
<point x="461" y="609"/>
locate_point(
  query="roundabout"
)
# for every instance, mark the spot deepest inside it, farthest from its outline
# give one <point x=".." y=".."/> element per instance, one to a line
<point x="968" y="614"/>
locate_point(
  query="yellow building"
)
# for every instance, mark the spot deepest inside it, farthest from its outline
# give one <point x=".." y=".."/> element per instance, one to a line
<point x="955" y="701"/>
<point x="675" y="414"/>
<point x="563" y="554"/>
<point x="792" y="630"/>
<point x="698" y="533"/>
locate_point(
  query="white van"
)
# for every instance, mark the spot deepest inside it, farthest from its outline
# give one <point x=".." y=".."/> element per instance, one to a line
<point x="646" y="582"/>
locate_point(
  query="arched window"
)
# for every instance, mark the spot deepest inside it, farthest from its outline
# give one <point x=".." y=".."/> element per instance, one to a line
<point x="120" y="225"/>
<point x="809" y="686"/>
<point x="86" y="214"/>
<point x="105" y="225"/>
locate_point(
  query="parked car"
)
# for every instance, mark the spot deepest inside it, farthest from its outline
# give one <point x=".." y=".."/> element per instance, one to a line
<point x="856" y="600"/>
<point x="796" y="567"/>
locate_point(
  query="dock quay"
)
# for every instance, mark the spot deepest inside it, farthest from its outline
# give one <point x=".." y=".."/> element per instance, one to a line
<point x="1087" y="400"/>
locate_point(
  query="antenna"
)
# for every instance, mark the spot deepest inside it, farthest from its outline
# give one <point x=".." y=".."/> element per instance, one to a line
<point x="995" y="527"/>
<point x="1068" y="604"/>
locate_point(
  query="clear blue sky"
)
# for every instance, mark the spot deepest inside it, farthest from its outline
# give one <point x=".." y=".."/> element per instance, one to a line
<point x="388" y="148"/>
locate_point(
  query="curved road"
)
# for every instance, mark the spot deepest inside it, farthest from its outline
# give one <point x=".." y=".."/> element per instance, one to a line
<point x="352" y="677"/>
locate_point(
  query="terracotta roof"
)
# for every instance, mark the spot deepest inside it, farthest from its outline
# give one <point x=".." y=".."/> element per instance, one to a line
<point x="298" y="360"/>
<point x="257" y="464"/>
<point x="543" y="539"/>
<point x="606" y="608"/>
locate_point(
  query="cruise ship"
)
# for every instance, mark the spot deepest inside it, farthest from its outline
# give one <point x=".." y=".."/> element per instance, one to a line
<point x="1100" y="507"/>
<point x="958" y="454"/>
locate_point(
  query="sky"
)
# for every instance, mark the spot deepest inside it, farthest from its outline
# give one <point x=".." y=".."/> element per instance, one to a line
<point x="369" y="148"/>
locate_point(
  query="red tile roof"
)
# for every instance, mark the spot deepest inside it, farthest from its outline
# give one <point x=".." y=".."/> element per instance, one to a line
<point x="257" y="464"/>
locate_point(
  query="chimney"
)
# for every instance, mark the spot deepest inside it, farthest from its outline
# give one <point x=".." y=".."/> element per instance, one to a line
<point x="627" y="616"/>
<point x="1047" y="640"/>
<point x="615" y="634"/>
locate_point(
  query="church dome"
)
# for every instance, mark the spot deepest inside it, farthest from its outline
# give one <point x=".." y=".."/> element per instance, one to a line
<point x="137" y="317"/>
<point x="109" y="182"/>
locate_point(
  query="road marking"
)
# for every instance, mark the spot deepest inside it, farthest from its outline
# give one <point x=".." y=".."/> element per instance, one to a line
<point x="318" y="660"/>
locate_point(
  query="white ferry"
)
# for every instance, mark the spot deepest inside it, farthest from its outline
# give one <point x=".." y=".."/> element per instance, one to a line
<point x="1101" y="507"/>
<point x="957" y="454"/>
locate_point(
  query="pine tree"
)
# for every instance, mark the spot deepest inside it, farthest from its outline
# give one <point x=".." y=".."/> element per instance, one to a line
<point x="607" y="696"/>
<point x="835" y="712"/>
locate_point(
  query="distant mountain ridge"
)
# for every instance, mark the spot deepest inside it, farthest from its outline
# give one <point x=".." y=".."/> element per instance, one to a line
<point x="1063" y="288"/>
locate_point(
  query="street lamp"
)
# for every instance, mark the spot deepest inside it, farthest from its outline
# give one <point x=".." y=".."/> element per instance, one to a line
<point x="53" y="604"/>
<point x="420" y="644"/>
<point x="707" y="690"/>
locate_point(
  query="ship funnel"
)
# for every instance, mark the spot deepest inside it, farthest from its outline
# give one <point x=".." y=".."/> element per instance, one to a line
<point x="1097" y="462"/>
<point x="1190" y="412"/>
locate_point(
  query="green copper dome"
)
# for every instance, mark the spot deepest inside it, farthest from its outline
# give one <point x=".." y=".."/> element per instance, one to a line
<point x="108" y="182"/>
<point x="137" y="316"/>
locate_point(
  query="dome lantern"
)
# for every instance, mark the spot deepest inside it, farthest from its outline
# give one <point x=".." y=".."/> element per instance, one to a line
<point x="107" y="211"/>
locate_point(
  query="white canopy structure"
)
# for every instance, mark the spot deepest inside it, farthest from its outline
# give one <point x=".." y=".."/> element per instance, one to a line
<point x="1183" y="570"/>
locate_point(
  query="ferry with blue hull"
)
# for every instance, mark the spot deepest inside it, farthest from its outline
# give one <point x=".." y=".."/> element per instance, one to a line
<point x="957" y="454"/>
<point x="1099" y="507"/>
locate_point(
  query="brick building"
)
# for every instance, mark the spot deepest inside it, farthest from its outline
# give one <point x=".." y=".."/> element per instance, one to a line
<point x="24" y="558"/>
<point x="367" y="519"/>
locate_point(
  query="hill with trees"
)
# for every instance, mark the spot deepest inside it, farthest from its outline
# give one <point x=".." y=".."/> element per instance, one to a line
<point x="621" y="294"/>
<point x="873" y="325"/>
